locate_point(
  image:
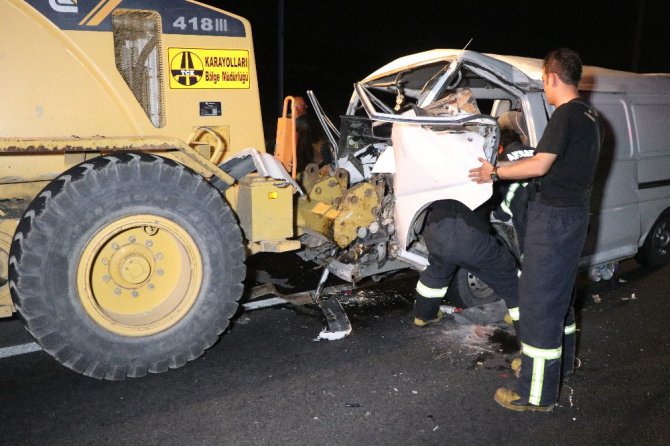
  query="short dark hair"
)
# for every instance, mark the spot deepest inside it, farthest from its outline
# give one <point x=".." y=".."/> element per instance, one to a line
<point x="508" y="136"/>
<point x="566" y="63"/>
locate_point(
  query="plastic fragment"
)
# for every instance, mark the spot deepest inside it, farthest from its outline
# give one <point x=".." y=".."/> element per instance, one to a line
<point x="332" y="335"/>
<point x="632" y="297"/>
<point x="449" y="309"/>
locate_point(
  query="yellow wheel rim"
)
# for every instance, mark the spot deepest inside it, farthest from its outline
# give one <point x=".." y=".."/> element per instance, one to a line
<point x="139" y="275"/>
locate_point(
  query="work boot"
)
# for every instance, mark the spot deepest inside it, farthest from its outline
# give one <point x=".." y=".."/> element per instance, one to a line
<point x="422" y="323"/>
<point x="508" y="319"/>
<point x="427" y="310"/>
<point x="511" y="400"/>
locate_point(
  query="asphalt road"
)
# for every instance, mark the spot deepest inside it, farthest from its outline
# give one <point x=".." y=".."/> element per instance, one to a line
<point x="267" y="382"/>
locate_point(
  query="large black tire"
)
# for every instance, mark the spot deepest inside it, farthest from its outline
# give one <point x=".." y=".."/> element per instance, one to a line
<point x="127" y="264"/>
<point x="468" y="291"/>
<point x="655" y="251"/>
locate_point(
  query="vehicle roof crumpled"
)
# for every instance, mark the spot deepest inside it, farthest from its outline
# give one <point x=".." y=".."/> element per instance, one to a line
<point x="524" y="72"/>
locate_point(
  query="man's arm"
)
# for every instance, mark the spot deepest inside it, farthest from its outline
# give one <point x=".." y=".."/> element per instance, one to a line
<point x="535" y="166"/>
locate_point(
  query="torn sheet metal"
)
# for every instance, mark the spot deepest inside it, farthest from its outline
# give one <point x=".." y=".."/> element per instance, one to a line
<point x="338" y="322"/>
<point x="269" y="166"/>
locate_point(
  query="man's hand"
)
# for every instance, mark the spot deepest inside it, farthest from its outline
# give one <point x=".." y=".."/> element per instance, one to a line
<point x="482" y="174"/>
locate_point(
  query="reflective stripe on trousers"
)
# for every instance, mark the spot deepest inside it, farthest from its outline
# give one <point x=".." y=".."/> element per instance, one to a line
<point x="426" y="291"/>
<point x="539" y="357"/>
<point x="514" y="313"/>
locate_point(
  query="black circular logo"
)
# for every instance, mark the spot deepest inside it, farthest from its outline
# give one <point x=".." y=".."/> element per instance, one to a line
<point x="186" y="68"/>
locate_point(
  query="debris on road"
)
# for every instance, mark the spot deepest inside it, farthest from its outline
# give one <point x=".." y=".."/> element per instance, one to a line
<point x="450" y="309"/>
<point x="332" y="335"/>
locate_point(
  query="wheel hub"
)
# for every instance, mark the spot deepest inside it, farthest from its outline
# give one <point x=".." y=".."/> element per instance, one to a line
<point x="136" y="269"/>
<point x="139" y="275"/>
<point x="662" y="239"/>
<point x="131" y="266"/>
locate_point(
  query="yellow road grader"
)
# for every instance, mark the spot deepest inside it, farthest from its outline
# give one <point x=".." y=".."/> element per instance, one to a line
<point x="134" y="182"/>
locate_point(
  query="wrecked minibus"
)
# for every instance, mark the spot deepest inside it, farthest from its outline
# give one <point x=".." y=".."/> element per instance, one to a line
<point x="420" y="122"/>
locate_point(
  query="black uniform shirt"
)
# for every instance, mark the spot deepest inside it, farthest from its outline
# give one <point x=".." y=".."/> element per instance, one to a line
<point x="573" y="134"/>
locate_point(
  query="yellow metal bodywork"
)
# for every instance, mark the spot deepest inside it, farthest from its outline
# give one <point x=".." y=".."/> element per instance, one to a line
<point x="319" y="208"/>
<point x="64" y="100"/>
<point x="69" y="85"/>
<point x="6" y="305"/>
<point x="70" y="97"/>
<point x="357" y="210"/>
<point x="139" y="275"/>
<point x="261" y="209"/>
<point x="334" y="210"/>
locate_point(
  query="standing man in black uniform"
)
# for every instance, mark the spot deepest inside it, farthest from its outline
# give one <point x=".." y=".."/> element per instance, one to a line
<point x="563" y="168"/>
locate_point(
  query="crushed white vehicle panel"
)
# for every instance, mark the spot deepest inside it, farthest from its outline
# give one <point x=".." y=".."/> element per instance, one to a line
<point x="431" y="166"/>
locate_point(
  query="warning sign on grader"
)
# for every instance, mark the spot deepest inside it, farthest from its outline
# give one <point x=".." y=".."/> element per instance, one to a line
<point x="208" y="69"/>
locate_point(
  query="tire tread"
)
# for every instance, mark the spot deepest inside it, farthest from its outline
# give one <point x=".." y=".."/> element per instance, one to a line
<point x="52" y="204"/>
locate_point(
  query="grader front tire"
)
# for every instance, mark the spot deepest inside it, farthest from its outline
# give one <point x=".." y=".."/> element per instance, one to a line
<point x="127" y="264"/>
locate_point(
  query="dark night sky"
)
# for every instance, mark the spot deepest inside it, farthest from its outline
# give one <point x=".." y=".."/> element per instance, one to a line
<point x="330" y="44"/>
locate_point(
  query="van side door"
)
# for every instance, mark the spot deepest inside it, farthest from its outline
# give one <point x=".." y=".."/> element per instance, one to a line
<point x="614" y="228"/>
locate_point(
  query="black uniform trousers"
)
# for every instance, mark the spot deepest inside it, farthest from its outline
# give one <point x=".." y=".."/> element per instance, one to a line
<point x="553" y="243"/>
<point x="457" y="237"/>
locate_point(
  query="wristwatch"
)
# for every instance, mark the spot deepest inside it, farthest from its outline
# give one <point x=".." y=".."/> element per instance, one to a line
<point x="494" y="174"/>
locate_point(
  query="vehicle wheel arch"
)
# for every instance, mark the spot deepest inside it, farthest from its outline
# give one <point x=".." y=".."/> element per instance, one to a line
<point x="655" y="248"/>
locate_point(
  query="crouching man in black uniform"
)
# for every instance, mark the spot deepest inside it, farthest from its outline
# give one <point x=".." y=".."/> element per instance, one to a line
<point x="457" y="237"/>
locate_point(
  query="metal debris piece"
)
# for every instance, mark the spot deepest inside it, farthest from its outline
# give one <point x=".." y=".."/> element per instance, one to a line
<point x="336" y="318"/>
<point x="330" y="335"/>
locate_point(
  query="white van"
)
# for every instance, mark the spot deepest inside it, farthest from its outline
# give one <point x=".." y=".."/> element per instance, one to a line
<point x="436" y="113"/>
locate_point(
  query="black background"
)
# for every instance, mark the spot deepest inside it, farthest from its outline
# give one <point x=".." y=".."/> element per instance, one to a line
<point x="328" y="45"/>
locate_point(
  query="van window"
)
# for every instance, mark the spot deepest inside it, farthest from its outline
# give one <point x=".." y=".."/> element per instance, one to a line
<point x="652" y="137"/>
